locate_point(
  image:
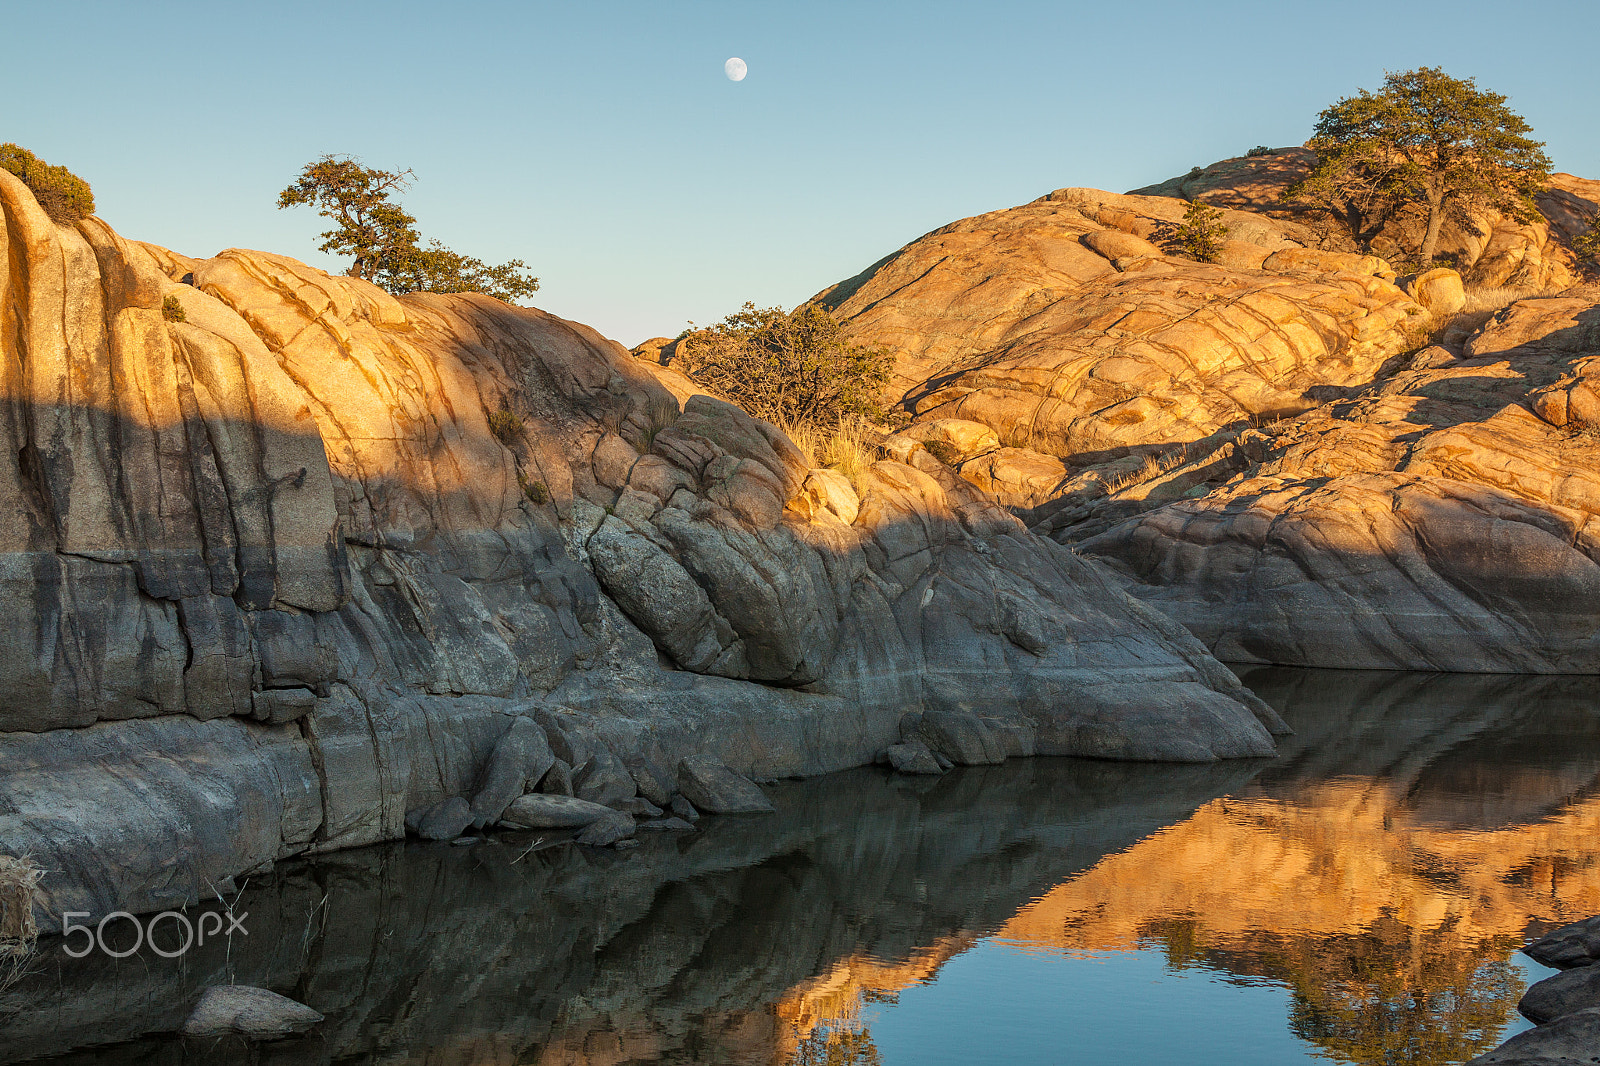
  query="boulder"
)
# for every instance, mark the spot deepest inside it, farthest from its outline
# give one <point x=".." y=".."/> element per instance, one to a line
<point x="539" y="811"/>
<point x="254" y="1013"/>
<point x="607" y="831"/>
<point x="1571" y="990"/>
<point x="965" y="739"/>
<point x="520" y="760"/>
<point x="1439" y="290"/>
<point x="715" y="789"/>
<point x="684" y="809"/>
<point x="1572" y="945"/>
<point x="558" y="781"/>
<point x="913" y="757"/>
<point x="1568" y="1040"/>
<point x="676" y="825"/>
<point x="445" y="820"/>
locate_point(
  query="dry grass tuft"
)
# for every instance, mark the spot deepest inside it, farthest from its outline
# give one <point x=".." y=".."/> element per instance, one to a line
<point x="19" y="895"/>
<point x="1154" y="466"/>
<point x="850" y="447"/>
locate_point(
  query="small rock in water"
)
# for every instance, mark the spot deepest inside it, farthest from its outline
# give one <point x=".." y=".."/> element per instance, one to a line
<point x="464" y="842"/>
<point x="539" y="811"/>
<point x="624" y="844"/>
<point x="1571" y="990"/>
<point x="677" y="825"/>
<point x="445" y="820"/>
<point x="1572" y="945"/>
<point x="607" y="831"/>
<point x="1567" y="1041"/>
<point x="256" y="1013"/>
<point x="684" y="809"/>
<point x="639" y="807"/>
<point x="913" y="757"/>
<point x="715" y="789"/>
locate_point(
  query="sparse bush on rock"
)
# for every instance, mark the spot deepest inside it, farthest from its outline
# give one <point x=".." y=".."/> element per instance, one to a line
<point x="172" y="310"/>
<point x="63" y="195"/>
<point x="505" y="425"/>
<point x="1587" y="246"/>
<point x="1201" y="232"/>
<point x="788" y="366"/>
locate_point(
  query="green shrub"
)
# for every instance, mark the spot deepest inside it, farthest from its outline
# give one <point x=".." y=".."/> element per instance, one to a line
<point x="537" y="492"/>
<point x="1201" y="232"/>
<point x="788" y="366"/>
<point x="505" y="425"/>
<point x="172" y="310"/>
<point x="1259" y="149"/>
<point x="943" y="451"/>
<point x="63" y="195"/>
<point x="1587" y="245"/>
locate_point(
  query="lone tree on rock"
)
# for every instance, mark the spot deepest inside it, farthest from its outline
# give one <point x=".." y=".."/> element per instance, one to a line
<point x="1426" y="140"/>
<point x="383" y="238"/>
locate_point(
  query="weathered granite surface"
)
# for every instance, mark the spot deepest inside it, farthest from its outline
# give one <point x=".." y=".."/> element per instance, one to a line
<point x="273" y="583"/>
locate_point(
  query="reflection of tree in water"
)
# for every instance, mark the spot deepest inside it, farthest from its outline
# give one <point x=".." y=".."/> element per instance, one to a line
<point x="843" y="1046"/>
<point x="1386" y="995"/>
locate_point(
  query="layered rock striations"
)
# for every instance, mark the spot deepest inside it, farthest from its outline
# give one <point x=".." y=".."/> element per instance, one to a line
<point x="1446" y="519"/>
<point x="285" y="558"/>
<point x="1265" y="446"/>
<point x="1065" y="326"/>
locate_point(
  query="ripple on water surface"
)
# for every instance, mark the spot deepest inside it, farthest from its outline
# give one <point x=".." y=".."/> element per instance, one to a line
<point x="1358" y="899"/>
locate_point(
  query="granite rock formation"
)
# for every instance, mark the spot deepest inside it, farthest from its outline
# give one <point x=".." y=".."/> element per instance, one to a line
<point x="1065" y="326"/>
<point x="1447" y="518"/>
<point x="283" y="567"/>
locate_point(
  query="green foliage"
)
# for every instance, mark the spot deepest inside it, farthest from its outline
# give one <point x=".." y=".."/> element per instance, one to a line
<point x="505" y="425"/>
<point x="63" y="195"/>
<point x="1587" y="245"/>
<point x="172" y="310"/>
<point x="943" y="451"/>
<point x="383" y="238"/>
<point x="836" y="1047"/>
<point x="534" y="490"/>
<point x="788" y="367"/>
<point x="1201" y="232"/>
<point x="1424" y="140"/>
<point x="1259" y="149"/>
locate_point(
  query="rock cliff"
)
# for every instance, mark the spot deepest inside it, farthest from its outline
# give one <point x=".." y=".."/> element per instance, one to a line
<point x="284" y="558"/>
<point x="1265" y="446"/>
<point x="1448" y="518"/>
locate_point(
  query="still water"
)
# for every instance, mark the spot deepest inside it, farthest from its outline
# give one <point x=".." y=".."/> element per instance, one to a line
<point x="1359" y="899"/>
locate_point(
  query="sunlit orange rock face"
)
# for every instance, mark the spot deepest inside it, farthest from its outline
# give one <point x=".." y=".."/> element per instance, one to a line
<point x="1446" y="518"/>
<point x="1063" y="327"/>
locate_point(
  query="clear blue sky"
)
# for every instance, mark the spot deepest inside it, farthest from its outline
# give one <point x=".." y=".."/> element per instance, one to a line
<point x="599" y="140"/>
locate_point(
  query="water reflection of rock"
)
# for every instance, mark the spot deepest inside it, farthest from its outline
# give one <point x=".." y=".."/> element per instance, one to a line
<point x="1413" y="833"/>
<point x="679" y="950"/>
<point x="1410" y="836"/>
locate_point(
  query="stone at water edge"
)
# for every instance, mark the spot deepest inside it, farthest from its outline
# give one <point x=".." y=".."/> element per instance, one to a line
<point x="913" y="757"/>
<point x="1572" y="945"/>
<point x="241" y="1010"/>
<point x="445" y="820"/>
<point x="715" y="789"/>
<point x="1565" y="993"/>
<point x="683" y="809"/>
<point x="1567" y="1041"/>
<point x="603" y="832"/>
<point x="673" y="824"/>
<point x="520" y="759"/>
<point x="541" y="811"/>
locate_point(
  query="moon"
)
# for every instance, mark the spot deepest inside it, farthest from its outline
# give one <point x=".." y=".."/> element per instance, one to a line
<point x="735" y="69"/>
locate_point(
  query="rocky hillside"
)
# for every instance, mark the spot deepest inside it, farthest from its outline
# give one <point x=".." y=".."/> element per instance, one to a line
<point x="1266" y="447"/>
<point x="289" y="562"/>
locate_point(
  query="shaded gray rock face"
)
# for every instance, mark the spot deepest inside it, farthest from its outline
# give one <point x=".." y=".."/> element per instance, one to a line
<point x="1577" y="944"/>
<point x="273" y="581"/>
<point x="1574" y="1038"/>
<point x="715" y="789"/>
<point x="1571" y="990"/>
<point x="255" y="1013"/>
<point x="553" y="812"/>
<point x="445" y="820"/>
